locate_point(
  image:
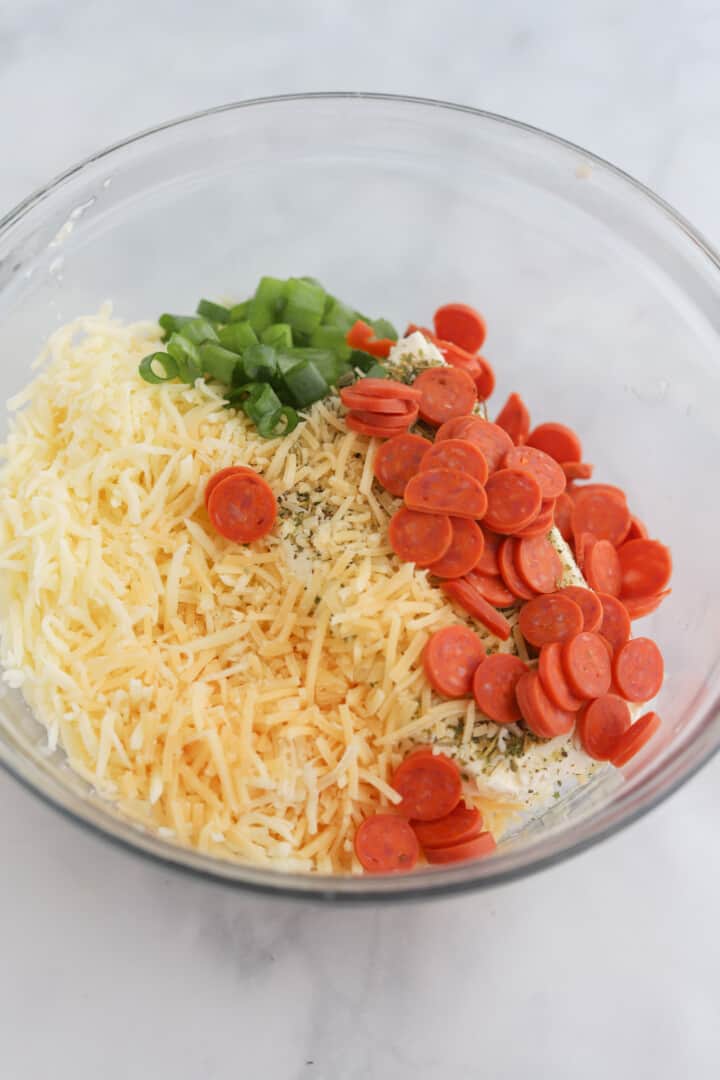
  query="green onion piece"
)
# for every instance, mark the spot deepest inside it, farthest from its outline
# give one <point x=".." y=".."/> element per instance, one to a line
<point x="384" y="328"/>
<point x="198" y="330"/>
<point x="148" y="365"/>
<point x="213" y="311"/>
<point x="279" y="335"/>
<point x="362" y="360"/>
<point x="171" y="323"/>
<point x="377" y="371"/>
<point x="331" y="337"/>
<point x="267" y="303"/>
<point x="305" y="383"/>
<point x="280" y="423"/>
<point x="261" y="402"/>
<point x="325" y="360"/>
<point x="305" y="305"/>
<point x="217" y="362"/>
<point x="187" y="357"/>
<point x="237" y="336"/>
<point x="338" y="314"/>
<point x="312" y="281"/>
<point x="258" y="364"/>
<point x="239" y="312"/>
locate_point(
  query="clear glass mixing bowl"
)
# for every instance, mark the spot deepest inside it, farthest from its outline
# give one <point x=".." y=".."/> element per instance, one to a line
<point x="603" y="306"/>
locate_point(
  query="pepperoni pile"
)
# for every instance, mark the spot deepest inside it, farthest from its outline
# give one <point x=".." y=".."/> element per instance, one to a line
<point x="431" y="817"/>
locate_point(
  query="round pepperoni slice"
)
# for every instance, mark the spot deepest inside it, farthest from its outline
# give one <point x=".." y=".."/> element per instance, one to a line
<point x="582" y="545"/>
<point x="577" y="470"/>
<point x="450" y="659"/>
<point x="563" y="515"/>
<point x="588" y="603"/>
<point x="632" y="742"/>
<point x="485" y="381"/>
<point x="542" y="524"/>
<point x="638" y="669"/>
<point x="557" y="440"/>
<point x="387" y="388"/>
<point x="601" y="724"/>
<point x="393" y="422"/>
<point x="645" y="567"/>
<point x="446" y="491"/>
<point x="602" y="568"/>
<point x="461" y="824"/>
<point x="543" y="718"/>
<point x="375" y="430"/>
<point x="586" y="663"/>
<point x="477" y="848"/>
<point x="513" y="500"/>
<point x="397" y="461"/>
<point x="446" y="393"/>
<point x="494" y="687"/>
<point x="515" y="419"/>
<point x="638" y="530"/>
<point x="456" y="454"/>
<point x="602" y="513"/>
<point x="222" y="474"/>
<point x="545" y="469"/>
<point x="538" y="564"/>
<point x="470" y="600"/>
<point x="550" y="618"/>
<point x="638" y="606"/>
<point x="419" y="538"/>
<point x="462" y="325"/>
<point x="460" y="358"/>
<point x="487" y="563"/>
<point x="430" y="785"/>
<point x="615" y="624"/>
<point x="386" y="844"/>
<point x="488" y="437"/>
<point x="352" y="399"/>
<point x="465" y="549"/>
<point x="508" y="571"/>
<point x="492" y="589"/>
<point x="552" y="677"/>
<point x="242" y="507"/>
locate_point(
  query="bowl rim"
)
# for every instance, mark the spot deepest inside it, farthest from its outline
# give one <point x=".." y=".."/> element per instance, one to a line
<point x="351" y="889"/>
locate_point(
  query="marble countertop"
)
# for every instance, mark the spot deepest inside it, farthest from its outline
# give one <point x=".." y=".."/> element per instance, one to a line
<point x="605" y="966"/>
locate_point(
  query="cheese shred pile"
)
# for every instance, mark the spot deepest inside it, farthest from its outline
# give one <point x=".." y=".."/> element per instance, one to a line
<point x="249" y="701"/>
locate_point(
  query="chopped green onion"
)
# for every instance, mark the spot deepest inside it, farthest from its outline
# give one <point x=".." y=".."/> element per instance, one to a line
<point x="267" y="303"/>
<point x="338" y="314"/>
<point x="186" y="356"/>
<point x="198" y="330"/>
<point x="305" y="383"/>
<point x="325" y="360"/>
<point x="331" y="337"/>
<point x="213" y="311"/>
<point x="362" y="360"/>
<point x="258" y="364"/>
<point x="384" y="328"/>
<point x="237" y="336"/>
<point x="279" y="335"/>
<point x="260" y="402"/>
<point x="148" y="365"/>
<point x="305" y="305"/>
<point x="239" y="312"/>
<point x="171" y="323"/>
<point x="217" y="362"/>
<point x="376" y="371"/>
<point x="312" y="281"/>
<point x="280" y="423"/>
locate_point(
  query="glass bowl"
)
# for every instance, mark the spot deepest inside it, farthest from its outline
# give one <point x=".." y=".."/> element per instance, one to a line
<point x="603" y="307"/>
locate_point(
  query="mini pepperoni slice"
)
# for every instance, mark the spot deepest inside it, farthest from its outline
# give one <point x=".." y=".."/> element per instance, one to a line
<point x="544" y="719"/>
<point x="586" y="663"/>
<point x="577" y="470"/>
<point x="550" y="618"/>
<point x="353" y="399"/>
<point x="488" y="437"/>
<point x="456" y="454"/>
<point x="515" y="419"/>
<point x="638" y="606"/>
<point x="459" y="358"/>
<point x="386" y="844"/>
<point x="446" y="491"/>
<point x="588" y="603"/>
<point x="563" y="515"/>
<point x="446" y="392"/>
<point x="638" y="529"/>
<point x="602" y="513"/>
<point x="601" y="724"/>
<point x="602" y="568"/>
<point x="450" y="659"/>
<point x="557" y="440"/>
<point x="538" y="564"/>
<point x="462" y="325"/>
<point x="494" y="687"/>
<point x="595" y="489"/>
<point x="461" y="824"/>
<point x="387" y="388"/>
<point x="430" y="785"/>
<point x="419" y="538"/>
<point x="645" y="567"/>
<point x="638" y="669"/>
<point x="487" y="563"/>
<point x="375" y="430"/>
<point x="485" y="381"/>
<point x="390" y="422"/>
<point x="242" y="507"/>
<point x="468" y="597"/>
<point x="508" y="570"/>
<point x="397" y="460"/>
<point x="477" y="848"/>
<point x="514" y="498"/>
<point x="221" y="474"/>
<point x="545" y="469"/>
<point x="465" y="549"/>
<point x="582" y="545"/>
<point x="552" y="677"/>
<point x="542" y="524"/>
<point x="633" y="740"/>
<point x="492" y="588"/>
<point x="615" y="624"/>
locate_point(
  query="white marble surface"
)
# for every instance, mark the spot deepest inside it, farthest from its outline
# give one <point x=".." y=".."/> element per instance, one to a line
<point x="604" y="967"/>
